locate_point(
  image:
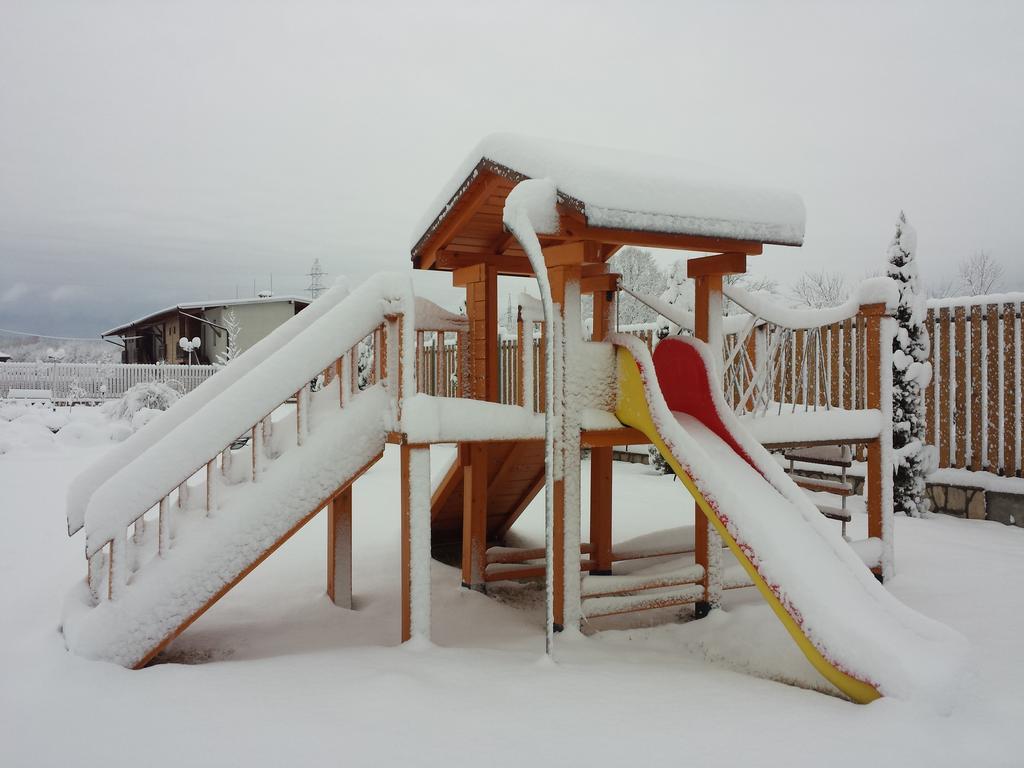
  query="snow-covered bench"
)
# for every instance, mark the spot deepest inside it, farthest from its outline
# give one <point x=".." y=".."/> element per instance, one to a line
<point x="35" y="397"/>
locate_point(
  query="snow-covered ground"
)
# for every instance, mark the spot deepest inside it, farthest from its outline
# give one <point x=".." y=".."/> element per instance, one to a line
<point x="274" y="674"/>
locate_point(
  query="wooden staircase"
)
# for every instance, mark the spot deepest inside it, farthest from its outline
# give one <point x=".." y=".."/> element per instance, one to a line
<point x="515" y="474"/>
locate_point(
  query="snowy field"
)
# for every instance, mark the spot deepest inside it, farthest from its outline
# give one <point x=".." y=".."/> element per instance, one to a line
<point x="276" y="675"/>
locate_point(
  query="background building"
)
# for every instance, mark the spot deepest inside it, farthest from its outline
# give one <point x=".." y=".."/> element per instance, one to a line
<point x="154" y="338"/>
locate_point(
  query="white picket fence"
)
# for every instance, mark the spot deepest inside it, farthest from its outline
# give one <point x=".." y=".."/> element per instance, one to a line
<point x="94" y="382"/>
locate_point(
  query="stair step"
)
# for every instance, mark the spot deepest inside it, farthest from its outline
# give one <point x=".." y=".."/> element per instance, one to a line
<point x="835" y="513"/>
<point x="662" y="598"/>
<point x="604" y="586"/>
<point x="838" y="487"/>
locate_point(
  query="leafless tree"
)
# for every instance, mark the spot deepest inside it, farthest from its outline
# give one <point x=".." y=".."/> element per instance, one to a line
<point x="943" y="288"/>
<point x="820" y="289"/>
<point x="979" y="274"/>
<point x="640" y="272"/>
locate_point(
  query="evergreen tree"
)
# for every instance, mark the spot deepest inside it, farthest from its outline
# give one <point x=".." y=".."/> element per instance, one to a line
<point x="911" y="373"/>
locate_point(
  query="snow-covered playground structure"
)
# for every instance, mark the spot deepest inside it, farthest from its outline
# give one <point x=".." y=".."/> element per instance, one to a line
<point x="179" y="513"/>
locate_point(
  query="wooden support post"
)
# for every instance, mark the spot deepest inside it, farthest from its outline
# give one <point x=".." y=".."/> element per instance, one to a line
<point x="256" y="443"/>
<point x="339" y="376"/>
<point x="601" y="509"/>
<point x="707" y="321"/>
<point x="415" y="460"/>
<point x="875" y="490"/>
<point x="211" y="500"/>
<point x="117" y="568"/>
<point x="299" y="420"/>
<point x="481" y="283"/>
<point x="524" y="376"/>
<point x="565" y="265"/>
<point x="474" y="515"/>
<point x="558" y="571"/>
<point x="163" y="531"/>
<point x="94" y="569"/>
<point x="339" y="549"/>
<point x="604" y="303"/>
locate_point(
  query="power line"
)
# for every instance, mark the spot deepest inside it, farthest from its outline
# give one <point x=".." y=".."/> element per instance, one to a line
<point x="44" y="336"/>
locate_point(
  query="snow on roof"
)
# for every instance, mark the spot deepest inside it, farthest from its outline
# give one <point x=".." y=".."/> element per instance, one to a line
<point x="209" y="304"/>
<point x="632" y="190"/>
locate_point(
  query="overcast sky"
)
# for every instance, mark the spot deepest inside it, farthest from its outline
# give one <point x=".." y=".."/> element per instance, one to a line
<point x="160" y="152"/>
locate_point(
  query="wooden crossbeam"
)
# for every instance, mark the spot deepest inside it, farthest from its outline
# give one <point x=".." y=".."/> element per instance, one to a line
<point x="720" y="264"/>
<point x="447" y="259"/>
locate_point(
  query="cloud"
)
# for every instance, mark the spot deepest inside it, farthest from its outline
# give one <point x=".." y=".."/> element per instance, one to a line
<point x="13" y="293"/>
<point x="66" y="292"/>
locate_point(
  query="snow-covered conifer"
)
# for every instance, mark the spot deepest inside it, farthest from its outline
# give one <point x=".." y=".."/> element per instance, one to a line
<point x="911" y="373"/>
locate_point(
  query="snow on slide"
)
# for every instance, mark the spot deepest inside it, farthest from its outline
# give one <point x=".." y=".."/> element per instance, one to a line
<point x="849" y="626"/>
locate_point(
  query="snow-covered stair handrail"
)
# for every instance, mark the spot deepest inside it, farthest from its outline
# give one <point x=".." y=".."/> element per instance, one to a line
<point x="382" y="307"/>
<point x="85" y="484"/>
<point x="874" y="290"/>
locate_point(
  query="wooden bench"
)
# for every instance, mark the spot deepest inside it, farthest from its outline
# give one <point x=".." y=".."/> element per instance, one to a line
<point x="829" y="456"/>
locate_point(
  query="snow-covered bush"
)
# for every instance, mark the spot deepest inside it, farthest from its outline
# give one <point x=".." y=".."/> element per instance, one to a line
<point x="657" y="461"/>
<point x="364" y="365"/>
<point x="234" y="327"/>
<point x="911" y="373"/>
<point x="151" y="395"/>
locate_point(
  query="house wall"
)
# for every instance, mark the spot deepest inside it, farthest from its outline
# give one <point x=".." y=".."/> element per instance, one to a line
<point x="256" y="321"/>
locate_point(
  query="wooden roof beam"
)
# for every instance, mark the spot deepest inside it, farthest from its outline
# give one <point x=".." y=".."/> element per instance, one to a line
<point x="573" y="229"/>
<point x="478" y="193"/>
<point x="503" y="243"/>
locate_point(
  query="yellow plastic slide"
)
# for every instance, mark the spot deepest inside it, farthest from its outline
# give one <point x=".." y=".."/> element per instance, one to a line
<point x="633" y="410"/>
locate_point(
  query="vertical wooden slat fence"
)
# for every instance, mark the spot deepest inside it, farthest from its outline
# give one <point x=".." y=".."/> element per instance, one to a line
<point x="973" y="404"/>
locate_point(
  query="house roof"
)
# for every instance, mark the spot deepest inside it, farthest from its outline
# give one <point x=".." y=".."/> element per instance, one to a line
<point x="618" y="189"/>
<point x="191" y="306"/>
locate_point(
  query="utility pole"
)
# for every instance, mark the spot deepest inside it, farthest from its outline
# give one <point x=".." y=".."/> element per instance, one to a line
<point x="316" y="279"/>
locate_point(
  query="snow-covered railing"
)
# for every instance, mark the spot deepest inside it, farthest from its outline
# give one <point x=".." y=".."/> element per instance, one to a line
<point x="973" y="405"/>
<point x="778" y="359"/>
<point x="241" y="415"/>
<point x="805" y="359"/>
<point x="96" y="382"/>
<point x="442" y="357"/>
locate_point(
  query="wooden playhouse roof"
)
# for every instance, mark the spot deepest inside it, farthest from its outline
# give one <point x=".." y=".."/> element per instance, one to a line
<point x="606" y="196"/>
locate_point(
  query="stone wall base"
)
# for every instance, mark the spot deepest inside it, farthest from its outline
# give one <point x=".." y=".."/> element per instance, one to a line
<point x="957" y="500"/>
